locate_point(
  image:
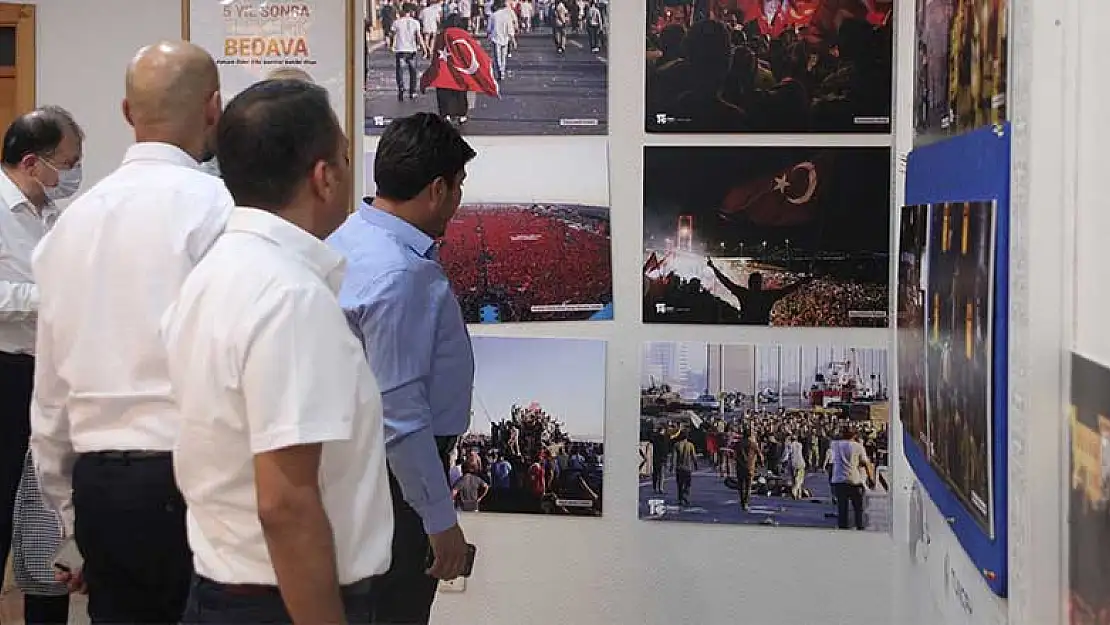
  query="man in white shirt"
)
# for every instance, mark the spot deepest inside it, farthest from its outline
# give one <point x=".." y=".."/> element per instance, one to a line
<point x="849" y="466"/>
<point x="39" y="163"/>
<point x="103" y="419"/>
<point x="795" y="462"/>
<point x="406" y="43"/>
<point x="281" y="456"/>
<point x="502" y="33"/>
<point x="430" y="18"/>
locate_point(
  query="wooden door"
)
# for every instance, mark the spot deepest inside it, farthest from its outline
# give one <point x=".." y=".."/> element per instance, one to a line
<point x="17" y="61"/>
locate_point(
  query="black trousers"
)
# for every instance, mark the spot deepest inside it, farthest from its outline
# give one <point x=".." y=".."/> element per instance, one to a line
<point x="404" y="595"/>
<point x="744" y="485"/>
<point x="234" y="604"/>
<point x="657" y="475"/>
<point x="409" y="61"/>
<point x="683" y="478"/>
<point x="130" y="527"/>
<point x="845" y="494"/>
<point x="17" y="378"/>
<point x="42" y="610"/>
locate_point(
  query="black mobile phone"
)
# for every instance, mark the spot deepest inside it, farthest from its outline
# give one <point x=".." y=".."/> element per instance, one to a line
<point x="471" y="551"/>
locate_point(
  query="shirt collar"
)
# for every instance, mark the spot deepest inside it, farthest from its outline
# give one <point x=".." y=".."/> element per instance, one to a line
<point x="314" y="253"/>
<point x="161" y="152"/>
<point x="407" y="233"/>
<point x="14" y="198"/>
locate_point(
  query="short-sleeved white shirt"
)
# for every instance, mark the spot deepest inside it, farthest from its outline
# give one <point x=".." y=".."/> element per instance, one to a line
<point x="406" y="35"/>
<point x="848" y="459"/>
<point x="261" y="358"/>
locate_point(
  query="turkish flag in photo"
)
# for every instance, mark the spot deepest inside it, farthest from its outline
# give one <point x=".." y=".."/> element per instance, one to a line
<point x="785" y="198"/>
<point x="459" y="63"/>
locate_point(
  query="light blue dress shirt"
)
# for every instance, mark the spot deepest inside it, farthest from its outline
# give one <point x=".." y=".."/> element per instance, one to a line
<point x="399" y="302"/>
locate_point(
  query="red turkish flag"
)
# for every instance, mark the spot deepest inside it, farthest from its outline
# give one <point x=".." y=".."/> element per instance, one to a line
<point x="781" y="200"/>
<point x="460" y="64"/>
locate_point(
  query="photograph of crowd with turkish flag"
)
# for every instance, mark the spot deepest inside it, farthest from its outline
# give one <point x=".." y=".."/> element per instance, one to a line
<point x="763" y="66"/>
<point x="766" y="236"/>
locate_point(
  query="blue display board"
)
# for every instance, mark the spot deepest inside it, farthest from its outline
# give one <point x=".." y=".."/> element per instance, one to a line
<point x="968" y="168"/>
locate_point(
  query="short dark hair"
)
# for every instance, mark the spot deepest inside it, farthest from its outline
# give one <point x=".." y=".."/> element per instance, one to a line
<point x="414" y="151"/>
<point x="39" y="132"/>
<point x="271" y="136"/>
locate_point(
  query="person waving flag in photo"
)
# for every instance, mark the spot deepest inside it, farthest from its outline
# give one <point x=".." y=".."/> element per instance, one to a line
<point x="459" y="64"/>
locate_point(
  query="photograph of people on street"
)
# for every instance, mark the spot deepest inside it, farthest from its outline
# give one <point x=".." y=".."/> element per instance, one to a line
<point x="766" y="236"/>
<point x="536" y="439"/>
<point x="961" y="69"/>
<point x="912" y="244"/>
<point x="958" y="354"/>
<point x="757" y="66"/>
<point x="493" y="67"/>
<point x="791" y="435"/>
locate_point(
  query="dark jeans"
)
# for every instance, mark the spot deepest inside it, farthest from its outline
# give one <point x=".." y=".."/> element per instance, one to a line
<point x="229" y="604"/>
<point x="744" y="485"/>
<point x="683" y="478"/>
<point x="131" y="531"/>
<point x="17" y="377"/>
<point x="41" y="610"/>
<point x="657" y="475"/>
<point x="405" y="593"/>
<point x="845" y="494"/>
<point x="409" y="60"/>
<point x="594" y="35"/>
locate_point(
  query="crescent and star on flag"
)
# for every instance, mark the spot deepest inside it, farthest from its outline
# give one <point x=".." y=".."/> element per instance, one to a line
<point x="445" y="54"/>
<point x="782" y="183"/>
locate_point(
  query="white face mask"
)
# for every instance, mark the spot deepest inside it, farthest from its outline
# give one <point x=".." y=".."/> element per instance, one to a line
<point x="69" y="181"/>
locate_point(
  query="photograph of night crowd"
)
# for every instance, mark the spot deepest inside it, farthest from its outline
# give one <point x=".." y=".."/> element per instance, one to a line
<point x="1089" y="503"/>
<point x="754" y="66"/>
<point x="960" y="80"/>
<point x="536" y="438"/>
<point x="790" y="435"/>
<point x="960" y="283"/>
<point x="912" y="238"/>
<point x="766" y="236"/>
<point x="492" y="67"/>
<point x="530" y="262"/>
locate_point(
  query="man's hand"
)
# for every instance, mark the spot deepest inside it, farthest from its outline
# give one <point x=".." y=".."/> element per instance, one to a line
<point x="449" y="553"/>
<point x="75" y="582"/>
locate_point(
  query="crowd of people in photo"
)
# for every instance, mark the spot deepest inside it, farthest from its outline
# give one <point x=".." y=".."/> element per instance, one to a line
<point x="527" y="463"/>
<point x="762" y="68"/>
<point x="516" y="257"/>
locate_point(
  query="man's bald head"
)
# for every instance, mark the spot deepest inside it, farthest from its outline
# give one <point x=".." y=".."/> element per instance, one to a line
<point x="171" y="88"/>
<point x="291" y="73"/>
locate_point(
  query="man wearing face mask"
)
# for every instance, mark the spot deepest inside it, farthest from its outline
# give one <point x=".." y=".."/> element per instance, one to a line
<point x="39" y="163"/>
<point x="104" y="419"/>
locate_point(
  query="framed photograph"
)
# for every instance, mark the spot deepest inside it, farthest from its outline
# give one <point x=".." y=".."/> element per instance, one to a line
<point x="961" y="70"/>
<point x="493" y="67"/>
<point x="250" y="41"/>
<point x="536" y="439"/>
<point x="1089" y="535"/>
<point x="791" y="435"/>
<point x="766" y="236"/>
<point x="769" y="66"/>
<point x="912" y="287"/>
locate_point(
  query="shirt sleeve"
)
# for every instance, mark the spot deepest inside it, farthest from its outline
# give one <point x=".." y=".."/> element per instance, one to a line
<point x="19" y="301"/>
<point x="397" y="321"/>
<point x="299" y="371"/>
<point x="51" y="447"/>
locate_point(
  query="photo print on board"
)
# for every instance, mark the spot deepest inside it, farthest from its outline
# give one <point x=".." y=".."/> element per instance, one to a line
<point x="961" y="68"/>
<point x="1089" y="533"/>
<point x="912" y="245"/>
<point x="536" y="438"/>
<point x="494" y="67"/>
<point x="766" y="236"/>
<point x="958" y="324"/>
<point x="754" y="66"/>
<point x="718" y="420"/>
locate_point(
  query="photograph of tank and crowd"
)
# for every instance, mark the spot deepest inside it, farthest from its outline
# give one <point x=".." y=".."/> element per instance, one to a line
<point x="766" y="236"/>
<point x="961" y="67"/>
<point x="956" y="433"/>
<point x="1089" y="503"/>
<point x="536" y="439"/>
<point x="716" y="420"/>
<point x="912" y="240"/>
<point x="530" y="262"/>
<point x="769" y="66"/>
<point x="494" y="67"/>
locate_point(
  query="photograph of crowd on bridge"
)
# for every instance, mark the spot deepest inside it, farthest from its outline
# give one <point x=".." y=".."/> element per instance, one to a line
<point x="959" y="321"/>
<point x="536" y="439"/>
<point x="792" y="435"/>
<point x="912" y="239"/>
<point x="530" y="262"/>
<point x="493" y="67"/>
<point x="790" y="66"/>
<point x="766" y="236"/>
<point x="1089" y="513"/>
<point x="961" y="67"/>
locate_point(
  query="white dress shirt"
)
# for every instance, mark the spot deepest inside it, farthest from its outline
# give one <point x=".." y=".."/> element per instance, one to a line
<point x="262" y="359"/>
<point x="22" y="226"/>
<point x="106" y="274"/>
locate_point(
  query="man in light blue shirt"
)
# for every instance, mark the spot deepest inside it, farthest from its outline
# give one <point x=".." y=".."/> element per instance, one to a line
<point x="399" y="302"/>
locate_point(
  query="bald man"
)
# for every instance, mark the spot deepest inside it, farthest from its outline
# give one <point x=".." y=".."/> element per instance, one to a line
<point x="103" y="419"/>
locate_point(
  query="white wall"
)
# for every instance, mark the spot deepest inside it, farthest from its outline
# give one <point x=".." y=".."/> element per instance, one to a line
<point x="614" y="570"/>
